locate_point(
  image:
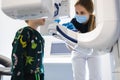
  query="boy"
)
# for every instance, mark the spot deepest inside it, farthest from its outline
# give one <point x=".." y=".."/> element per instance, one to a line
<point x="27" y="53"/>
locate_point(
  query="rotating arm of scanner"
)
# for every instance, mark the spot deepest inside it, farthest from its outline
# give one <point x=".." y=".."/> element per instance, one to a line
<point x="55" y="31"/>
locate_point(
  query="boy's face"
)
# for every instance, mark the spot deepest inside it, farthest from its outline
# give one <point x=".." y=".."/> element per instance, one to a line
<point x="39" y="21"/>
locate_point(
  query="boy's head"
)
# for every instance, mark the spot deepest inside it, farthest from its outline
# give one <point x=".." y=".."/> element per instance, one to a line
<point x="37" y="22"/>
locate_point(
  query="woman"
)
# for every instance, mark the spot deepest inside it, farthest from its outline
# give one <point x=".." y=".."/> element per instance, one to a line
<point x="84" y="21"/>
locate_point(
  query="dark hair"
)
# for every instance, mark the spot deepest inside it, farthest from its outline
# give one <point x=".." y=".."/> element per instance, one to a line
<point x="88" y="5"/>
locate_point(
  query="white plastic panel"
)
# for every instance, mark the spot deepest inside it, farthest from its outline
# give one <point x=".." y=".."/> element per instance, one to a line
<point x="33" y="9"/>
<point x="104" y="36"/>
<point x="27" y="9"/>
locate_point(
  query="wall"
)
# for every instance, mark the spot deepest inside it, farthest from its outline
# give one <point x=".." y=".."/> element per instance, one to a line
<point x="8" y="28"/>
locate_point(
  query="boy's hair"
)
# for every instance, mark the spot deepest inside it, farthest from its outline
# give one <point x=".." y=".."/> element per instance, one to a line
<point x="88" y="5"/>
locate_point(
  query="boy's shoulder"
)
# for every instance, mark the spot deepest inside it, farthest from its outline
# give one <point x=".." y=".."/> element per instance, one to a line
<point x="25" y="30"/>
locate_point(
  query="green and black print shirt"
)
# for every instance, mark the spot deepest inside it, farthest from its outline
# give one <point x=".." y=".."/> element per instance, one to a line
<point x="27" y="53"/>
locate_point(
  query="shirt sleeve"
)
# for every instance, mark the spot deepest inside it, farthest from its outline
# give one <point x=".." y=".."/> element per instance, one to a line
<point x="19" y="49"/>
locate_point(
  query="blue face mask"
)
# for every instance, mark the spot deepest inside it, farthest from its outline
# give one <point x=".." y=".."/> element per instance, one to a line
<point x="81" y="19"/>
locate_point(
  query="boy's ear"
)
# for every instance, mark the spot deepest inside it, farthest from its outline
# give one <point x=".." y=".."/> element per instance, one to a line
<point x="26" y="21"/>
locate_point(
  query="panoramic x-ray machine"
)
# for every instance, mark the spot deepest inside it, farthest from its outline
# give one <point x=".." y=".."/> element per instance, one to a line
<point x="104" y="37"/>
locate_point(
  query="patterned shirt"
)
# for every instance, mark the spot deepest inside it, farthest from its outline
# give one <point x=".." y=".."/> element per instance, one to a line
<point x="27" y="53"/>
